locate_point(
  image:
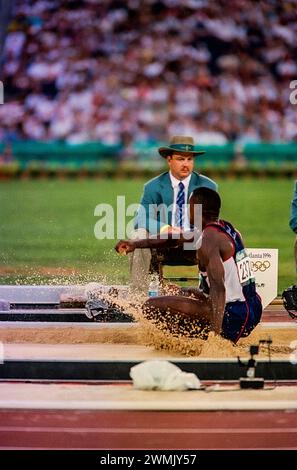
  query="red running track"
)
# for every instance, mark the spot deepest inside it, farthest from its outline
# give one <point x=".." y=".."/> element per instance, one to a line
<point x="64" y="429"/>
<point x="279" y="315"/>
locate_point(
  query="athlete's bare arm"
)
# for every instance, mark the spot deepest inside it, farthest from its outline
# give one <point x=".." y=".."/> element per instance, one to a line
<point x="168" y="240"/>
<point x="211" y="259"/>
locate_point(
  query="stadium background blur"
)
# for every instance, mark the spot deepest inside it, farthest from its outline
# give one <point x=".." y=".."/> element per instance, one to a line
<point x="92" y="88"/>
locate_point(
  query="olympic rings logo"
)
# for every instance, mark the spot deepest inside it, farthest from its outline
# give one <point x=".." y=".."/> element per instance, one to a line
<point x="260" y="266"/>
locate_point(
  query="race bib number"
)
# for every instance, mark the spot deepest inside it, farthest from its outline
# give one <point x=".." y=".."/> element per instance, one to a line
<point x="244" y="267"/>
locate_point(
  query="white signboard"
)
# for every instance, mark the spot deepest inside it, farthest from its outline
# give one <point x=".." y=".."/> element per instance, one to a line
<point x="264" y="263"/>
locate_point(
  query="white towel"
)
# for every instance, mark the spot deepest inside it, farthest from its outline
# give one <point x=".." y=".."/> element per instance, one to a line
<point x="162" y="375"/>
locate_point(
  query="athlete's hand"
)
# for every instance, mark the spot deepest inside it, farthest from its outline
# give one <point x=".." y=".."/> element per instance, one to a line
<point x="123" y="247"/>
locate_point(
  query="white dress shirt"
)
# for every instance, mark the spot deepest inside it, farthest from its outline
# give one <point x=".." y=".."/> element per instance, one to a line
<point x="174" y="183"/>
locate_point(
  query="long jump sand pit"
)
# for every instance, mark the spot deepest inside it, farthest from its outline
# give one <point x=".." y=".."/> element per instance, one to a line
<point x="143" y="334"/>
<point x="116" y="339"/>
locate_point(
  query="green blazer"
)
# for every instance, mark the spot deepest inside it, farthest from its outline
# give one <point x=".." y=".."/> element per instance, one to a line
<point x="158" y="191"/>
<point x="293" y="214"/>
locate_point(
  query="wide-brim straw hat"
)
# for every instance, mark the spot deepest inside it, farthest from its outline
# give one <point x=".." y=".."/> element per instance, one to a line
<point x="179" y="143"/>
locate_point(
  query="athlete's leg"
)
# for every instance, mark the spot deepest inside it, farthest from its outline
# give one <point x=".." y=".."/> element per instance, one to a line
<point x="179" y="313"/>
<point x="194" y="292"/>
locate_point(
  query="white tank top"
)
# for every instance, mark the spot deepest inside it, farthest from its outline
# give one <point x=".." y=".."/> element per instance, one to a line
<point x="232" y="283"/>
<point x="239" y="278"/>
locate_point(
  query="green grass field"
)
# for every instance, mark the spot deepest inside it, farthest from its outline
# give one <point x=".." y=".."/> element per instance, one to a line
<point x="47" y="227"/>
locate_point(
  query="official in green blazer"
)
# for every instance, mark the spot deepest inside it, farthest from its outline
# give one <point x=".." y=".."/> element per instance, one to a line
<point x="163" y="206"/>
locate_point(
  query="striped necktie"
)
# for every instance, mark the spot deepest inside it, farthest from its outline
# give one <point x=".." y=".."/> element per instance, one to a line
<point x="180" y="201"/>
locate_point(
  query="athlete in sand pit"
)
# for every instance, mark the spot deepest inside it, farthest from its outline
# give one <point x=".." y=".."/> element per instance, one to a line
<point x="227" y="302"/>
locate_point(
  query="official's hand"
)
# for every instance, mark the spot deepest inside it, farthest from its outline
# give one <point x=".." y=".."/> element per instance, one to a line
<point x="170" y="229"/>
<point x="175" y="230"/>
<point x="125" y="246"/>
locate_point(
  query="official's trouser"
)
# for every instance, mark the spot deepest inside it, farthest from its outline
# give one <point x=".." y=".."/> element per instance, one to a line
<point x="140" y="261"/>
<point x="295" y="253"/>
<point x="144" y="260"/>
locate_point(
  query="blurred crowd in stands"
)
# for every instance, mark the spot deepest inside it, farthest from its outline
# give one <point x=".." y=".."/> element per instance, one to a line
<point x="121" y="72"/>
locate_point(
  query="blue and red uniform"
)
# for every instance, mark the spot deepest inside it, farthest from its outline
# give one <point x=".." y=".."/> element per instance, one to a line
<point x="243" y="308"/>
